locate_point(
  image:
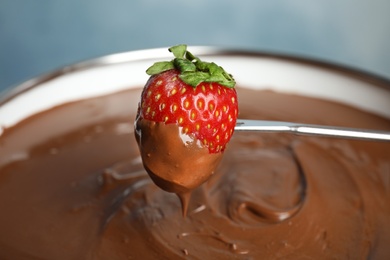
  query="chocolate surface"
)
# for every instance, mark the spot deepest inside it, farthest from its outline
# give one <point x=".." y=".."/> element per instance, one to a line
<point x="72" y="186"/>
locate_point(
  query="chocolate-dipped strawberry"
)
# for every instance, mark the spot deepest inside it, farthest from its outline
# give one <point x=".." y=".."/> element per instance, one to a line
<point x="185" y="119"/>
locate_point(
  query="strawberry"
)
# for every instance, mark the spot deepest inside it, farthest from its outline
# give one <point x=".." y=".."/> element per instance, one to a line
<point x="185" y="119"/>
<point x="201" y="100"/>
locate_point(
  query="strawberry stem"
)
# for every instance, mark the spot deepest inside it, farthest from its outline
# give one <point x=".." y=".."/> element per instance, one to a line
<point x="179" y="50"/>
<point x="193" y="71"/>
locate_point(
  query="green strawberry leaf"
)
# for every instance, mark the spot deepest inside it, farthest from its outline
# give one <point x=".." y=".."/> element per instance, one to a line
<point x="179" y="50"/>
<point x="184" y="65"/>
<point x="159" y="67"/>
<point x="193" y="71"/>
<point x="194" y="78"/>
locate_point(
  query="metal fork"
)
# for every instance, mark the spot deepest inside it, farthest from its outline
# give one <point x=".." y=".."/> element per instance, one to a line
<point x="311" y="130"/>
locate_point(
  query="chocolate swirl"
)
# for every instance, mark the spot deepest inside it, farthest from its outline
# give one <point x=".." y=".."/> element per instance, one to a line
<point x="80" y="191"/>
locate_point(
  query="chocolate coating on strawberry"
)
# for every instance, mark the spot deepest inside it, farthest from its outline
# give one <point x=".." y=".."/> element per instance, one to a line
<point x="185" y="119"/>
<point x="176" y="162"/>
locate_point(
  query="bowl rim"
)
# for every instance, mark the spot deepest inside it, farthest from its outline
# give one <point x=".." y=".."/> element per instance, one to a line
<point x="158" y="53"/>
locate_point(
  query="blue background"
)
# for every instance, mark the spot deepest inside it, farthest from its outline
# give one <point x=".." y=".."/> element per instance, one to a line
<point x="38" y="36"/>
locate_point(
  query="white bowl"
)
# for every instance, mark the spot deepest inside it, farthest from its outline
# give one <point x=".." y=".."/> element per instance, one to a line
<point x="121" y="71"/>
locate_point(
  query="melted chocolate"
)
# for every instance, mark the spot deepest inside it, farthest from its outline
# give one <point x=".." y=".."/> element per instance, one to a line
<point x="72" y="186"/>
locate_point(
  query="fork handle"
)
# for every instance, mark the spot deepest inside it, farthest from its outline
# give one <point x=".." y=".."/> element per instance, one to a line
<point x="310" y="129"/>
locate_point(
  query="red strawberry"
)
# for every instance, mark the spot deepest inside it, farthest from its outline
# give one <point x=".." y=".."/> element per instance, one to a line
<point x="208" y="111"/>
<point x="199" y="99"/>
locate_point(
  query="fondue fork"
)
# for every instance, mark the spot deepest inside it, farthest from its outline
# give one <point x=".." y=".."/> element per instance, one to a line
<point x="311" y="130"/>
